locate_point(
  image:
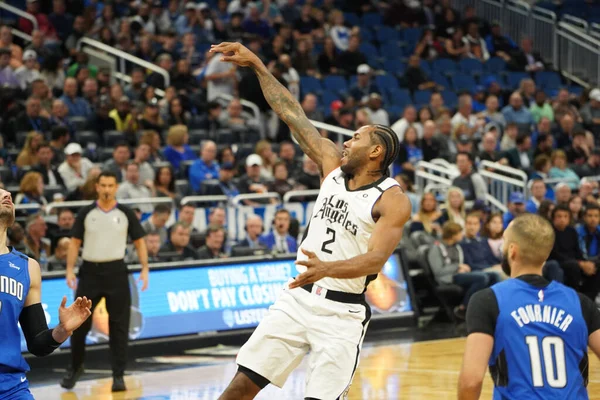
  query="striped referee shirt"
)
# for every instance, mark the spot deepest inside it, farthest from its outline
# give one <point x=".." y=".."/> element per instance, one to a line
<point x="104" y="233"/>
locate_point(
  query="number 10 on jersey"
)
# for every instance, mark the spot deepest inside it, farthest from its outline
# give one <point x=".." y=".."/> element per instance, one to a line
<point x="553" y="354"/>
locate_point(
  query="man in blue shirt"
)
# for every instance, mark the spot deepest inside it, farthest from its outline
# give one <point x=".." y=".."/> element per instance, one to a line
<point x="516" y="207"/>
<point x="279" y="239"/>
<point x="589" y="243"/>
<point x="538" y="194"/>
<point x="205" y="167"/>
<point x="516" y="112"/>
<point x="78" y="107"/>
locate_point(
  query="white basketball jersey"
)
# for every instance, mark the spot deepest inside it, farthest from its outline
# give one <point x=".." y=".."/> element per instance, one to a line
<point x="341" y="226"/>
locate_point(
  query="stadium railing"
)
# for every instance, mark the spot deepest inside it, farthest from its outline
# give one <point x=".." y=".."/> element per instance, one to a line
<point x="503" y="180"/>
<point x="20" y="13"/>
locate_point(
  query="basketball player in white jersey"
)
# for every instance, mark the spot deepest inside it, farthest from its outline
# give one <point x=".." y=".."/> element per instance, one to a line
<point x="355" y="226"/>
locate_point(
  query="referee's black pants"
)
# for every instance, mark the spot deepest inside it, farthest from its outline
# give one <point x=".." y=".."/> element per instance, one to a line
<point x="111" y="281"/>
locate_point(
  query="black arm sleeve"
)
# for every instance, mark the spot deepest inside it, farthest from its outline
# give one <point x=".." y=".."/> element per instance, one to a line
<point x="590" y="313"/>
<point x="79" y="226"/>
<point x="39" y="338"/>
<point x="134" y="229"/>
<point x="482" y="312"/>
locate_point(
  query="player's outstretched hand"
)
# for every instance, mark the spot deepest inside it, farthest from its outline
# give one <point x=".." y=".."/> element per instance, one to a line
<point x="315" y="270"/>
<point x="236" y="53"/>
<point x="73" y="316"/>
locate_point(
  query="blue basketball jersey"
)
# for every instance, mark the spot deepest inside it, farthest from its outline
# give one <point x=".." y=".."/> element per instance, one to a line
<point x="14" y="286"/>
<point x="540" y="343"/>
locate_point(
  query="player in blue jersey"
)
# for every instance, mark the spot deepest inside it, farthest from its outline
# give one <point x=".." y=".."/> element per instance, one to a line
<point x="533" y="334"/>
<point x="20" y="296"/>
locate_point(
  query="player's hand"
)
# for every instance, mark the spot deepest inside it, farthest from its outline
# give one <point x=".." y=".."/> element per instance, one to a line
<point x="236" y="53"/>
<point x="315" y="270"/>
<point x="71" y="280"/>
<point x="144" y="279"/>
<point x="73" y="316"/>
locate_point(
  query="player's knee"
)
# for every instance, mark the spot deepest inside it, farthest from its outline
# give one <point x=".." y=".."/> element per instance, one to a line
<point x="258" y="380"/>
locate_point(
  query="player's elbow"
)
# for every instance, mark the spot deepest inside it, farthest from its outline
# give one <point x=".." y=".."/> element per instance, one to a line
<point x="469" y="387"/>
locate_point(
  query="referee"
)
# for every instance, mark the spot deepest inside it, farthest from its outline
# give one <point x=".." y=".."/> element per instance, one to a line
<point x="103" y="228"/>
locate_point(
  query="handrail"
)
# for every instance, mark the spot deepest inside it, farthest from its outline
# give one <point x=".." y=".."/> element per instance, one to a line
<point x="254" y="196"/>
<point x="331" y="128"/>
<point x="443" y="162"/>
<point x="20" y="13"/>
<point x="126" y="56"/>
<point x="495" y="202"/>
<point x="299" y="193"/>
<point x="503" y="168"/>
<point x="544" y="13"/>
<point x="578" y="32"/>
<point x="20" y="34"/>
<point x="518" y="4"/>
<point x="203" y="199"/>
<point x="577" y="22"/>
<point x="502" y="178"/>
<point x="553" y="181"/>
<point x="30" y="206"/>
<point x="82" y="203"/>
<point x="452" y="172"/>
<point x="432" y="177"/>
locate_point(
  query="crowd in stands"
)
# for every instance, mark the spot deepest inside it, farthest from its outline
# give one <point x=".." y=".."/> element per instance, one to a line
<point x="450" y="84"/>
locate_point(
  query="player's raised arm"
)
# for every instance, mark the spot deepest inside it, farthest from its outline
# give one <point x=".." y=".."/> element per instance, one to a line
<point x="42" y="341"/>
<point x="321" y="150"/>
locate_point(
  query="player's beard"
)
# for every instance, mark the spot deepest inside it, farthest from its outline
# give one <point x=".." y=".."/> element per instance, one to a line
<point x="353" y="162"/>
<point x="7" y="216"/>
<point x="505" y="264"/>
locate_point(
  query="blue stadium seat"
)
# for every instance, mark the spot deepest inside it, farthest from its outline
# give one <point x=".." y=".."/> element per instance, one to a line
<point x="387" y="34"/>
<point x="393" y="50"/>
<point x="440" y="79"/>
<point x="463" y="82"/>
<point x="450" y="98"/>
<point x="369" y="50"/>
<point x="513" y="79"/>
<point x="351" y="19"/>
<point x="495" y="65"/>
<point x="310" y="84"/>
<point x="395" y="112"/>
<point x="371" y="20"/>
<point x="394" y="67"/>
<point x="85" y="137"/>
<point x="444" y="66"/>
<point x="113" y="137"/>
<point x="422" y="97"/>
<point x="471" y="66"/>
<point x="426" y="67"/>
<point x="399" y="97"/>
<point x="386" y="82"/>
<point x="326" y="99"/>
<point x="548" y="80"/>
<point x="412" y="36"/>
<point x="551" y="93"/>
<point x="366" y="34"/>
<point x="335" y="83"/>
<point x="576" y="90"/>
<point x="486" y="79"/>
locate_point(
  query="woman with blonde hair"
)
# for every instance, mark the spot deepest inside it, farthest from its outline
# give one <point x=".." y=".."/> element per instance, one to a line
<point x="177" y="149"/>
<point x="28" y="155"/>
<point x="455" y="207"/>
<point x="152" y="139"/>
<point x="31" y="191"/>
<point x="265" y="151"/>
<point x="87" y="191"/>
<point x="426" y="218"/>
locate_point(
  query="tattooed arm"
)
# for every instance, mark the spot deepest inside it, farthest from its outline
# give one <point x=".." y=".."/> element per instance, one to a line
<point x="321" y="150"/>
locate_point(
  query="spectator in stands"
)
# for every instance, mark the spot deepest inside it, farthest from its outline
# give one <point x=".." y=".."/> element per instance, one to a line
<point x="426" y="219"/>
<point x="565" y="132"/>
<point x="516" y="112"/>
<point x="488" y="152"/>
<point x="477" y="252"/>
<point x="61" y="20"/>
<point x="464" y="114"/>
<point x="591" y="166"/>
<point x="254" y="25"/>
<point x="87" y="189"/>
<point x="44" y="165"/>
<point x="309" y="105"/>
<point x="526" y="59"/>
<point x="28" y="72"/>
<point x="545" y="143"/>
<point x="186" y="216"/>
<point x="455" y="207"/>
<point x="78" y="107"/>
<point x="516" y="207"/>
<point x="561" y="170"/>
<point x="589" y="242"/>
<point x="254" y="228"/>
<point x="456" y="46"/>
<point x="35" y="247"/>
<point x="436" y="104"/>
<point x="177" y="149"/>
<point x="157" y="221"/>
<point x="339" y="33"/>
<point x="509" y="139"/>
<point x="28" y="155"/>
<point x="308" y="178"/>
<point x="118" y="163"/>
<point x="541" y="108"/>
<point x="153" y="244"/>
<point x="476" y="45"/>
<point x="31" y="119"/>
<point x="590" y="112"/>
<point x="132" y="188"/>
<point x="135" y="89"/>
<point x="448" y="148"/>
<point x="579" y="152"/>
<point x="409" y="118"/>
<point x="562" y="106"/>
<point x="152" y="139"/>
<point x="576" y="207"/>
<point x="545" y="209"/>
<point x="59" y="116"/>
<point x="178" y="248"/>
<point x="253" y="181"/>
<point x="15" y="52"/>
<point x="447" y="21"/>
<point x="520" y="156"/>
<point x="221" y="77"/>
<point x="491" y="113"/>
<point x="211" y="120"/>
<point x="349" y="60"/>
<point x="415" y="78"/>
<point x="234" y="117"/>
<point x="363" y="86"/>
<point x="8" y="78"/>
<point x="279" y="239"/>
<point x="215" y="239"/>
<point x="562" y="193"/>
<point x="41" y="91"/>
<point x="65" y="220"/>
<point x="59" y="138"/>
<point x="429" y="143"/>
<point x="164" y="183"/>
<point x="376" y="111"/>
<point x="500" y="45"/>
<point x="225" y="186"/>
<point x="151" y="119"/>
<point x="538" y="194"/>
<point x="264" y="149"/>
<point x="586" y="191"/>
<point x="31" y="191"/>
<point x="580" y="272"/>
<point x="204" y="168"/>
<point x="52" y="72"/>
<point x="471" y="183"/>
<point x="410" y="152"/>
<point x="327" y="60"/>
<point x="176" y="114"/>
<point x="141" y="156"/>
<point x="428" y="47"/>
<point x="58" y="261"/>
<point x="281" y="183"/>
<point x="528" y="91"/>
<point x="157" y="80"/>
<point x="447" y="264"/>
<point x="101" y="121"/>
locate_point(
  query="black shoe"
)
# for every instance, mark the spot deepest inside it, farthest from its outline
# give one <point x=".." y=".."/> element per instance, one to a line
<point x="118" y="384"/>
<point x="460" y="313"/>
<point x="71" y="378"/>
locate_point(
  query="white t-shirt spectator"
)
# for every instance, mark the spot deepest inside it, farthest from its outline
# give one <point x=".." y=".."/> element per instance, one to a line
<point x="402" y="125"/>
<point x="380" y="116"/>
<point x="460" y="119"/>
<point x="71" y="178"/>
<point x="293" y="79"/>
<point x="340" y="36"/>
<point x="215" y="87"/>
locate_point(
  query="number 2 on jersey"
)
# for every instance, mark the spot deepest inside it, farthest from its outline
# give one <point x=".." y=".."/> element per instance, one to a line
<point x="553" y="353"/>
<point x="326" y="243"/>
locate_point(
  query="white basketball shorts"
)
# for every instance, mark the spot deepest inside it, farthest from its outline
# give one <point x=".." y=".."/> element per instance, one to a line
<point x="302" y="321"/>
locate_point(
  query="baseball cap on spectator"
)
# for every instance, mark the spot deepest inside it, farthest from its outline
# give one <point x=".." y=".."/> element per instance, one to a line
<point x="464" y="139"/>
<point x="202" y="6"/>
<point x="73" y="148"/>
<point x="253" y="159"/>
<point x="190" y="6"/>
<point x="29" y="55"/>
<point x="363" y="69"/>
<point x="517" y="198"/>
<point x="124" y="99"/>
<point x="336" y="105"/>
<point x="153" y="102"/>
<point x="595" y="94"/>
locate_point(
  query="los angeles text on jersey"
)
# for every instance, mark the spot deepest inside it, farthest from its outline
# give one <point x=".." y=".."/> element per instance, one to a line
<point x="336" y="211"/>
<point x="11" y="286"/>
<point x="533" y="313"/>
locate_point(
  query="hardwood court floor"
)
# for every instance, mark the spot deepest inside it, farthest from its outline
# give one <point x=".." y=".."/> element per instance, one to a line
<point x="424" y="370"/>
